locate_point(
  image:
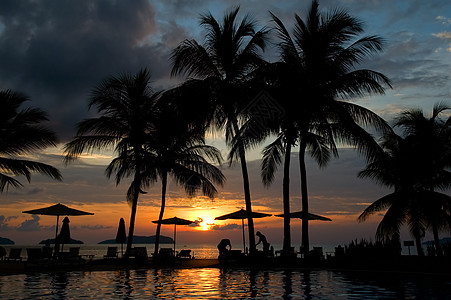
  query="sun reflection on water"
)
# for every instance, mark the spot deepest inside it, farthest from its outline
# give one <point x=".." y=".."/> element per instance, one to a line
<point x="215" y="283"/>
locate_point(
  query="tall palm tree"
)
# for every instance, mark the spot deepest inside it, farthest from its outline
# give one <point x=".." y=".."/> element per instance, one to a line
<point x="410" y="201"/>
<point x="415" y="166"/>
<point x="21" y="133"/>
<point x="316" y="74"/>
<point x="178" y="149"/>
<point x="222" y="66"/>
<point x="128" y="109"/>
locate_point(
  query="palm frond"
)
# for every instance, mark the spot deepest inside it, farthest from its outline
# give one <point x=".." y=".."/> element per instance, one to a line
<point x="272" y="157"/>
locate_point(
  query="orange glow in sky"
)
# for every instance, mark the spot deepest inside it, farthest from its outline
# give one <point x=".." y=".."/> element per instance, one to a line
<point x="207" y="223"/>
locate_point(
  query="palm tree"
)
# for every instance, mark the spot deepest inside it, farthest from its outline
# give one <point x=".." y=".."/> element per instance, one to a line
<point x="21" y="133"/>
<point x="415" y="166"/>
<point x="397" y="167"/>
<point x="221" y="66"/>
<point x="316" y="74"/>
<point x="128" y="109"/>
<point x="178" y="149"/>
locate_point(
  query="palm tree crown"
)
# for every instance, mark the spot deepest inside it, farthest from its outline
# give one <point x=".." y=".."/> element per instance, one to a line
<point x="222" y="67"/>
<point x="414" y="165"/>
<point x="128" y="108"/>
<point x="21" y="133"/>
<point x="316" y="74"/>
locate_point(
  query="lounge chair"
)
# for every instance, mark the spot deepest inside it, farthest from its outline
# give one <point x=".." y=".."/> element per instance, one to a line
<point x="36" y="257"/>
<point x="317" y="253"/>
<point x="166" y="253"/>
<point x="111" y="253"/>
<point x="73" y="256"/>
<point x="14" y="254"/>
<point x="184" y="254"/>
<point x="138" y="253"/>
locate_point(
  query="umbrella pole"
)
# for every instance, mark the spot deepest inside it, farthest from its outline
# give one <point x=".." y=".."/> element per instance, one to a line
<point x="56" y="235"/>
<point x="244" y="240"/>
<point x="175" y="230"/>
<point x="56" y="231"/>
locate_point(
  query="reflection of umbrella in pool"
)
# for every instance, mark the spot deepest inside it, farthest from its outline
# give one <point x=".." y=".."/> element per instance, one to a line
<point x="300" y="214"/>
<point x="241" y="215"/>
<point x="176" y="221"/>
<point x="64" y="236"/>
<point x="121" y="236"/>
<point x="57" y="210"/>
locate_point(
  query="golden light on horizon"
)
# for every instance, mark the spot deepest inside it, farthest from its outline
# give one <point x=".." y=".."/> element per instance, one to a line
<point x="207" y="223"/>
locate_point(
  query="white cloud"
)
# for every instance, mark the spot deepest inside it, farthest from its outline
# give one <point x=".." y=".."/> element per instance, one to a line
<point x="444" y="35"/>
<point x="443" y="20"/>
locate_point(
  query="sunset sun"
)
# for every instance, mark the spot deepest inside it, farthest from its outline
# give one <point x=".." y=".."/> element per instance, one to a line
<point x="207" y="223"/>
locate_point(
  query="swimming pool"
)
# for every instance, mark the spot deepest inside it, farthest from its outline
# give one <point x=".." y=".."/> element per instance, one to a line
<point x="215" y="283"/>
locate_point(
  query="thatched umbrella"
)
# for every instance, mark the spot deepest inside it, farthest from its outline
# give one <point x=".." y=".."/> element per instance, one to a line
<point x="57" y="210"/>
<point x="176" y="221"/>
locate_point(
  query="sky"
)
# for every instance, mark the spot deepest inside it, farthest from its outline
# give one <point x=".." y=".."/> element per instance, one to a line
<point x="56" y="52"/>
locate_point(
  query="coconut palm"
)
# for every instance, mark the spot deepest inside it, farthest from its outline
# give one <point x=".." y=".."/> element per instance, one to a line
<point x="316" y="74"/>
<point x="22" y="133"/>
<point x="397" y="167"/>
<point x="415" y="166"/>
<point x="221" y="66"/>
<point x="178" y="150"/>
<point x="128" y="109"/>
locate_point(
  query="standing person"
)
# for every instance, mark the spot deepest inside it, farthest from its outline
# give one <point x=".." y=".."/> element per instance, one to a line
<point x="262" y="239"/>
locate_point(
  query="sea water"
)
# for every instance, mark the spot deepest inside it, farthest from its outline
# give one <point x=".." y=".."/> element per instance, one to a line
<point x="215" y="283"/>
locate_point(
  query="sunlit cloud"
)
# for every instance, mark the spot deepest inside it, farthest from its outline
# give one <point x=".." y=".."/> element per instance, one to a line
<point x="443" y="20"/>
<point x="445" y="35"/>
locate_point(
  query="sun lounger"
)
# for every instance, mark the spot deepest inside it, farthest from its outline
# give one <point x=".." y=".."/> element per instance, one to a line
<point x="73" y="256"/>
<point x="184" y="254"/>
<point x="166" y="253"/>
<point x="36" y="257"/>
<point x="14" y="254"/>
<point x="138" y="253"/>
<point x="111" y="253"/>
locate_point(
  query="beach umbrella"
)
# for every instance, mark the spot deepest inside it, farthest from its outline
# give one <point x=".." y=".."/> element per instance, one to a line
<point x="57" y="210"/>
<point x="241" y="215"/>
<point x="64" y="236"/>
<point x="121" y="236"/>
<point x="176" y="221"/>
<point x="300" y="214"/>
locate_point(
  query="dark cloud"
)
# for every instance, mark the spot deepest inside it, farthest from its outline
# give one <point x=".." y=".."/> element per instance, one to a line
<point x="92" y="227"/>
<point x="225" y="227"/>
<point x="56" y="51"/>
<point x="196" y="223"/>
<point x="33" y="225"/>
<point x="4" y="226"/>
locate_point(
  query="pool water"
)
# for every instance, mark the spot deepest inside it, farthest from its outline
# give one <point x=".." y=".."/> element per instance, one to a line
<point x="215" y="283"/>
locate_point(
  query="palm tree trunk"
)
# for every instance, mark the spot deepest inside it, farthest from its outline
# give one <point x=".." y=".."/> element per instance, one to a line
<point x="418" y="245"/>
<point x="305" y="236"/>
<point x="164" y="179"/>
<point x="438" y="248"/>
<point x="286" y="201"/>
<point x="247" y="193"/>
<point x="136" y="181"/>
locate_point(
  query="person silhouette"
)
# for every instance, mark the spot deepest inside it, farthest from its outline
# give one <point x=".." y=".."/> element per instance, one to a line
<point x="262" y="239"/>
<point x="222" y="247"/>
